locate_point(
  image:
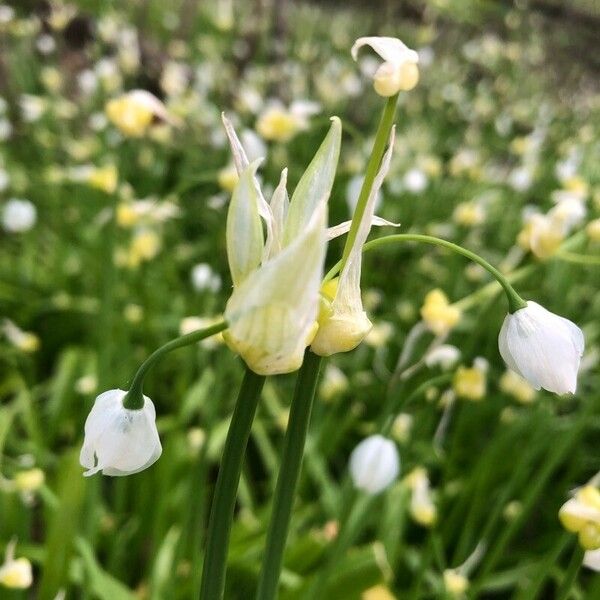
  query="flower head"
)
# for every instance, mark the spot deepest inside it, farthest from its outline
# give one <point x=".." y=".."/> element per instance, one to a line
<point x="542" y="347"/>
<point x="374" y="464"/>
<point x="18" y="215"/>
<point x="273" y="309"/>
<point x="439" y="315"/>
<point x="15" y="573"/>
<point x="134" y="112"/>
<point x="343" y="323"/>
<point x="581" y="515"/>
<point x="119" y="441"/>
<point x="398" y="72"/>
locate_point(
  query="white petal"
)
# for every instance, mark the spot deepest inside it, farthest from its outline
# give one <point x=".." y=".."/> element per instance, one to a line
<point x="315" y="184"/>
<point x="542" y="347"/>
<point x="374" y="464"/>
<point x="272" y="314"/>
<point x="119" y="441"/>
<point x="336" y="230"/>
<point x="390" y="49"/>
<point x="241" y="162"/>
<point x="152" y="103"/>
<point x="245" y="241"/>
<point x="591" y="560"/>
<point x="280" y="203"/>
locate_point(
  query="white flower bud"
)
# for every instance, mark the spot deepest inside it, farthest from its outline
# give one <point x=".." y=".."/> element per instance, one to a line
<point x="18" y="215"/>
<point x="119" y="441"/>
<point x="374" y="464"/>
<point x="542" y="347"/>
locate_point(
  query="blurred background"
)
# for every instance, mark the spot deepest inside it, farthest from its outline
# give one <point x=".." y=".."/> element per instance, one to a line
<point x="112" y="242"/>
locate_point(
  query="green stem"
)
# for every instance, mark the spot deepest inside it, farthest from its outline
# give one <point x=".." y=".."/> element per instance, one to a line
<point x="381" y="139"/>
<point x="134" y="399"/>
<point x="515" y="302"/>
<point x="571" y="574"/>
<point x="289" y="472"/>
<point x="223" y="504"/>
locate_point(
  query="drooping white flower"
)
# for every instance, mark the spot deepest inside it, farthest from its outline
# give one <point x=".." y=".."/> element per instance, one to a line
<point x="344" y="324"/>
<point x="374" y="464"/>
<point x="399" y="70"/>
<point x="273" y="309"/>
<point x="18" y="215"/>
<point x="542" y="347"/>
<point x="119" y="441"/>
<point x="591" y="560"/>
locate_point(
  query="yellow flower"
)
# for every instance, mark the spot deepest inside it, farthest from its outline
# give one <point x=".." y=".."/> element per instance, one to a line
<point x="422" y="508"/>
<point x="278" y="124"/>
<point x="134" y="112"/>
<point x="15" y="573"/>
<point x="126" y="216"/>
<point x="104" y="179"/>
<point x="455" y="583"/>
<point x="593" y="230"/>
<point x="439" y="315"/>
<point x="228" y="178"/>
<point x="144" y="246"/>
<point x="469" y="383"/>
<point x="581" y="515"/>
<point x="469" y="214"/>
<point x="29" y="480"/>
<point x="516" y="386"/>
<point x="378" y="592"/>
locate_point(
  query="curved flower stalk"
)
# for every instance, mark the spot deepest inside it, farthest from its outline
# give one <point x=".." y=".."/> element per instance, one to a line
<point x="398" y="72"/>
<point x="542" y="347"/>
<point x="273" y="309"/>
<point x="344" y="323"/>
<point x="119" y="441"/>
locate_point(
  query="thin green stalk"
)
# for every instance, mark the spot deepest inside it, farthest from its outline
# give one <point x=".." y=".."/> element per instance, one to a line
<point x="381" y="139"/>
<point x="571" y="574"/>
<point x="134" y="399"/>
<point x="515" y="302"/>
<point x="223" y="504"/>
<point x="289" y="472"/>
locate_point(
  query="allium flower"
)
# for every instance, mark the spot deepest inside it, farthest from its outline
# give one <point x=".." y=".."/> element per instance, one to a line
<point x="542" y="347"/>
<point x="15" y="573"/>
<point x="343" y="323"/>
<point x="581" y="515"/>
<point x="422" y="507"/>
<point x="399" y="70"/>
<point x="18" y="215"/>
<point x="591" y="560"/>
<point x="439" y="315"/>
<point x="134" y="112"/>
<point x="280" y="124"/>
<point x="374" y="464"/>
<point x="273" y="309"/>
<point x="119" y="441"/>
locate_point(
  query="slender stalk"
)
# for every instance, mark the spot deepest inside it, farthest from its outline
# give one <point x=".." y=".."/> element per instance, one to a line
<point x="381" y="139"/>
<point x="289" y="472"/>
<point x="571" y="574"/>
<point x="515" y="302"/>
<point x="223" y="504"/>
<point x="134" y="399"/>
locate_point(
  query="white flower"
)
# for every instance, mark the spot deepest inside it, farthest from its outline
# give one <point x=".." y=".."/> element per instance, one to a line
<point x="415" y="181"/>
<point x="18" y="215"/>
<point x="591" y="560"/>
<point x="542" y="347"/>
<point x="399" y="70"/>
<point x="273" y="309"/>
<point x="445" y="356"/>
<point x="204" y="278"/>
<point x="374" y="464"/>
<point x="119" y="441"/>
<point x="344" y="324"/>
<point x="15" y="573"/>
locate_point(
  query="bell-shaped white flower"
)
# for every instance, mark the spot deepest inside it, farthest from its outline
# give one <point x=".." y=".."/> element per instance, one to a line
<point x="119" y="441"/>
<point x="343" y="323"/>
<point x="374" y="464"/>
<point x="542" y="347"/>
<point x="276" y="278"/>
<point x="398" y="72"/>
